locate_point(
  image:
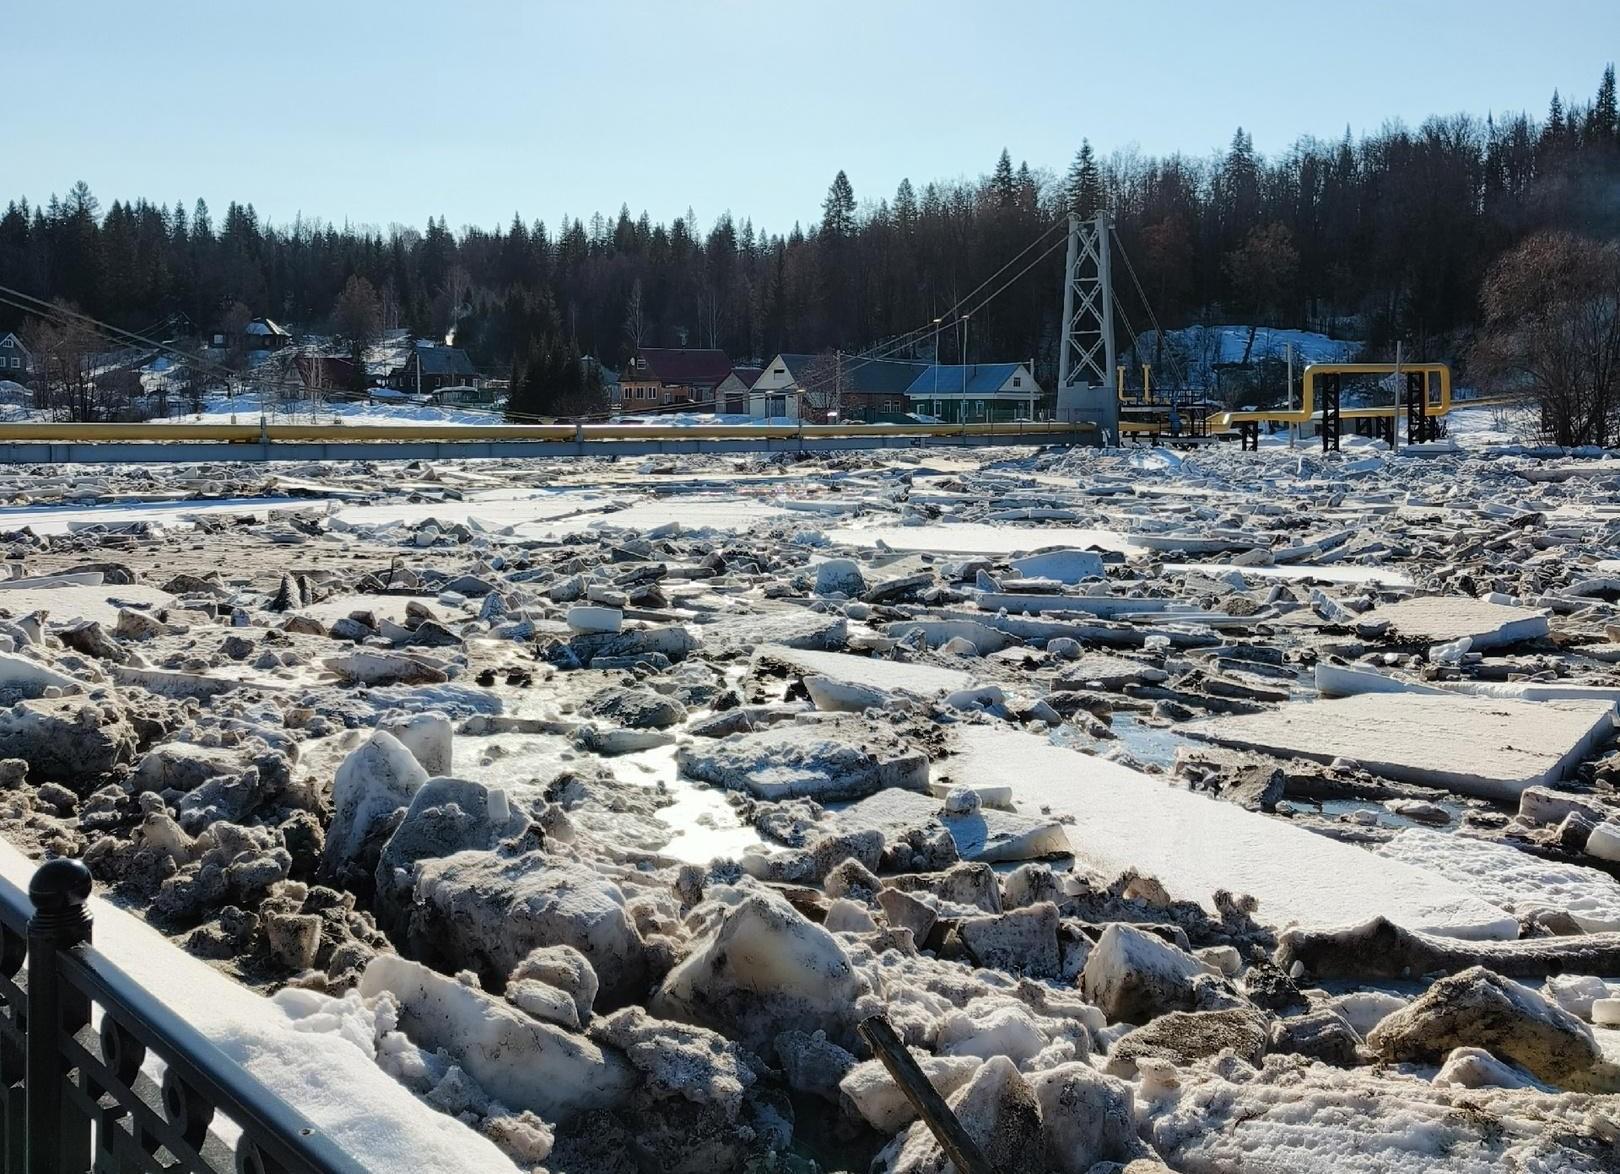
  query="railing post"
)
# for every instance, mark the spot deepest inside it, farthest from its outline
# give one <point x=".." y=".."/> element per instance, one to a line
<point x="13" y="1056"/>
<point x="58" y="1137"/>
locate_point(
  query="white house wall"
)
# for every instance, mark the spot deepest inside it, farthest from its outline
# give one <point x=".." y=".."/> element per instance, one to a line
<point x="776" y="379"/>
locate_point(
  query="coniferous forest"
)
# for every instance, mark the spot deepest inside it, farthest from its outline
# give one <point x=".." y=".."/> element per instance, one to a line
<point x="1385" y="237"/>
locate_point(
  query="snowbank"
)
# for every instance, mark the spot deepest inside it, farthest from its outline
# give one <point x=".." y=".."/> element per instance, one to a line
<point x="324" y="1076"/>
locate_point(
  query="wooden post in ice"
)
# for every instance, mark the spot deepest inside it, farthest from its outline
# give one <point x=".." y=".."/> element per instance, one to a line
<point x="959" y="1147"/>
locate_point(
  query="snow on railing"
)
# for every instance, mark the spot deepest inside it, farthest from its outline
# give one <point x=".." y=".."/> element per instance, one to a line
<point x="79" y="1095"/>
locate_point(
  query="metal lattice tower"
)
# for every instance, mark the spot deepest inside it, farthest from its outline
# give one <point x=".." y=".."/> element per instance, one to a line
<point x="1086" y="360"/>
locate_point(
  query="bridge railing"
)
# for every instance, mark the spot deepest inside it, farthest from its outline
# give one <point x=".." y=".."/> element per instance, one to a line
<point x="78" y="1092"/>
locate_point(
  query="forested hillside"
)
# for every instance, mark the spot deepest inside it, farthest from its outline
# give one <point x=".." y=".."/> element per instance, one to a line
<point x="1387" y="236"/>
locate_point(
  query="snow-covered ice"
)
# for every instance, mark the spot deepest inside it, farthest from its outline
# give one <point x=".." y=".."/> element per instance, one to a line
<point x="1196" y="846"/>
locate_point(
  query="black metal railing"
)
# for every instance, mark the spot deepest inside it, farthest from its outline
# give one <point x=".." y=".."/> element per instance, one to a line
<point x="75" y="1099"/>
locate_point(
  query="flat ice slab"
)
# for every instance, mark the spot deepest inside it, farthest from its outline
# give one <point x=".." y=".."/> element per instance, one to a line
<point x="1195" y="844"/>
<point x="1346" y="573"/>
<point x="1102" y="606"/>
<point x="1108" y="672"/>
<point x="1512" y="879"/>
<point x="891" y="676"/>
<point x="798" y="629"/>
<point x="100" y="602"/>
<point x="1066" y="566"/>
<point x="64" y="519"/>
<point x="1440" y="619"/>
<point x="978" y="538"/>
<point x="1471" y="745"/>
<point x="985" y="835"/>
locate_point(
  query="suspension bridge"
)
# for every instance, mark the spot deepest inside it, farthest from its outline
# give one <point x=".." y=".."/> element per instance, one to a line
<point x="1093" y="405"/>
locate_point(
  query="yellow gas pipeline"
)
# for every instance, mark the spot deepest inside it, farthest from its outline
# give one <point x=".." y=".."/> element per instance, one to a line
<point x="62" y="433"/>
<point x="1307" y="405"/>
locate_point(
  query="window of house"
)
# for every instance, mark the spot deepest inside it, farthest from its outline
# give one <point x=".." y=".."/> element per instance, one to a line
<point x="1018" y="381"/>
<point x="15" y="361"/>
<point x="779" y="371"/>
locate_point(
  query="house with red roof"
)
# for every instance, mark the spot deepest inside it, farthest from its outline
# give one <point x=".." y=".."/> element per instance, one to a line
<point x="673" y="379"/>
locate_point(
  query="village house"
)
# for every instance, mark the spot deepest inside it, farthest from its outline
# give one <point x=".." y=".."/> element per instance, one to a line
<point x="672" y="379"/>
<point x="326" y="373"/>
<point x="975" y="393"/>
<point x="262" y="334"/>
<point x="731" y="397"/>
<point x="431" y="368"/>
<point x="829" y="387"/>
<point x="16" y="361"/>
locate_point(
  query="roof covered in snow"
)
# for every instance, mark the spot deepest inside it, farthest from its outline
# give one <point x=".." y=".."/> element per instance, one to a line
<point x="266" y="327"/>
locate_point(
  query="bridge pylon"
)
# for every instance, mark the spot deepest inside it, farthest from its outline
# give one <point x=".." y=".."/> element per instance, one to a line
<point x="1086" y="359"/>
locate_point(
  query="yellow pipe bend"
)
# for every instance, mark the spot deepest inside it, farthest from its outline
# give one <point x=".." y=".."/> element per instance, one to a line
<point x="1307" y="404"/>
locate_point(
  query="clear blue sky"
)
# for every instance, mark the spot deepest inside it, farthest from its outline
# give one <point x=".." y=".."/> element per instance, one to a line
<point x="377" y="112"/>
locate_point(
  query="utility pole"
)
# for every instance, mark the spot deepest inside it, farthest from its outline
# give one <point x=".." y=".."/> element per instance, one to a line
<point x="962" y="414"/>
<point x="1293" y="429"/>
<point x="935" y="404"/>
<point x="1395" y="410"/>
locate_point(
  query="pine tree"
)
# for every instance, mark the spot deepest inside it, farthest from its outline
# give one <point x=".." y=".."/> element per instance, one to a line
<point x="905" y="206"/>
<point x="1605" y="120"/>
<point x="81" y="204"/>
<point x="1083" y="189"/>
<point x="1552" y="134"/>
<point x="1027" y="193"/>
<point x="1002" y="185"/>
<point x="838" y="209"/>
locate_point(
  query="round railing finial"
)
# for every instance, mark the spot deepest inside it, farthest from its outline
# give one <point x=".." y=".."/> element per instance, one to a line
<point x="59" y="890"/>
<point x="60" y="883"/>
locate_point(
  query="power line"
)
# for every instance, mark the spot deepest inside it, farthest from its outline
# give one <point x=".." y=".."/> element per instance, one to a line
<point x="110" y="333"/>
<point x="910" y="337"/>
<point x="877" y="353"/>
<point x="917" y="333"/>
<point x="61" y="316"/>
<point x="976" y="308"/>
<point x="1175" y="366"/>
<point x="955" y="314"/>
